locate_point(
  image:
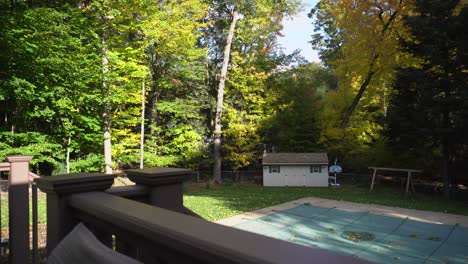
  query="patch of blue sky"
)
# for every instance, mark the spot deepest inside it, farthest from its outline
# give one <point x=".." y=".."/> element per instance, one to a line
<point x="297" y="32"/>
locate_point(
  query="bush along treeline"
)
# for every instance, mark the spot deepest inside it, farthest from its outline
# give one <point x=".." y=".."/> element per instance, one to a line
<point x="104" y="85"/>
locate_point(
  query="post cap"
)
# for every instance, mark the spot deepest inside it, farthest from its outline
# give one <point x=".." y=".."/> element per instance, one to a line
<point x="19" y="158"/>
<point x="75" y="183"/>
<point x="158" y="176"/>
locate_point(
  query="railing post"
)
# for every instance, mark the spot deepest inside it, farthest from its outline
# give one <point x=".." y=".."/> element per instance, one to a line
<point x="18" y="202"/>
<point x="165" y="185"/>
<point x="60" y="218"/>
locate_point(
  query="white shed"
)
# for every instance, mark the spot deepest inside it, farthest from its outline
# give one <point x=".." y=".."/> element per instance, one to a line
<point x="295" y="169"/>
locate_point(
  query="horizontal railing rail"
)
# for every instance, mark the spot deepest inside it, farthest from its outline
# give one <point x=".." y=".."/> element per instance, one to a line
<point x="163" y="234"/>
<point x="4" y="166"/>
<point x="160" y="229"/>
<point x="133" y="192"/>
<point x="140" y="193"/>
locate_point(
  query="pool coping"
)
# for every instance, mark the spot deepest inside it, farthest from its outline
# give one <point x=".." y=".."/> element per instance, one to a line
<point x="418" y="215"/>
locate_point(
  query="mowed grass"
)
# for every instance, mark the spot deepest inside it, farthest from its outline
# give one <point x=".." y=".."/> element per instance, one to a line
<point x="220" y="202"/>
<point x="41" y="209"/>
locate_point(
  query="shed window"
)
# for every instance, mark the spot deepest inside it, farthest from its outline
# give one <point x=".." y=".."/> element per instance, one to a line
<point x="316" y="168"/>
<point x="274" y="169"/>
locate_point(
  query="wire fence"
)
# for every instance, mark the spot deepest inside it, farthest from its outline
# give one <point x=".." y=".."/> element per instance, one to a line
<point x="255" y="176"/>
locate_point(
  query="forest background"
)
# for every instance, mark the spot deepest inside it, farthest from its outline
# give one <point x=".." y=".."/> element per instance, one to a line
<point x="107" y="85"/>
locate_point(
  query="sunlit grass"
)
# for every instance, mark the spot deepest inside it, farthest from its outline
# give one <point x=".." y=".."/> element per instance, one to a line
<point x="224" y="201"/>
<point x="41" y="209"/>
<point x="221" y="202"/>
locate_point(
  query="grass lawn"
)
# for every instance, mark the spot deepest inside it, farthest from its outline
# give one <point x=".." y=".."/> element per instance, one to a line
<point x="41" y="209"/>
<point x="220" y="202"/>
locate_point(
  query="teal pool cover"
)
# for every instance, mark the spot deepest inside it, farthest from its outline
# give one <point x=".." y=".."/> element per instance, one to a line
<point x="376" y="238"/>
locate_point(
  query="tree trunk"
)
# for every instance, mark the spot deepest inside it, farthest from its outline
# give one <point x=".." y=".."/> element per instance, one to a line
<point x="445" y="171"/>
<point x="106" y="108"/>
<point x="357" y="98"/>
<point x="384" y="104"/>
<point x="142" y="132"/>
<point x="446" y="137"/>
<point x="153" y="110"/>
<point x="219" y="102"/>
<point x="67" y="160"/>
<point x="371" y="72"/>
<point x="153" y="93"/>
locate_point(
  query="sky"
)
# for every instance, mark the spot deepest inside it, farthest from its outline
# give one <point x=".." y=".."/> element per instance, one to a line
<point x="297" y="33"/>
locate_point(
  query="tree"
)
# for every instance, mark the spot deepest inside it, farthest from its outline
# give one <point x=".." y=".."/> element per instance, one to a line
<point x="120" y="27"/>
<point x="265" y="18"/>
<point x="359" y="40"/>
<point x="48" y="81"/>
<point x="46" y="154"/>
<point x="177" y="97"/>
<point x="429" y="105"/>
<point x="296" y="97"/>
<point x="73" y="71"/>
<point x="220" y="97"/>
<point x="241" y="140"/>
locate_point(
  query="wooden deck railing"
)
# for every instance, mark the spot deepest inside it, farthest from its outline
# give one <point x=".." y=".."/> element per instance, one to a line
<point x="19" y="180"/>
<point x="149" y="222"/>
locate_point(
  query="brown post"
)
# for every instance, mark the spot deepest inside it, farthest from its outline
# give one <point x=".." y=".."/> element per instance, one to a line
<point x="60" y="219"/>
<point x="165" y="185"/>
<point x="18" y="202"/>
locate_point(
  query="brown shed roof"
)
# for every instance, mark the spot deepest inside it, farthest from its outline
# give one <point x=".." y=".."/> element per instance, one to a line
<point x="294" y="158"/>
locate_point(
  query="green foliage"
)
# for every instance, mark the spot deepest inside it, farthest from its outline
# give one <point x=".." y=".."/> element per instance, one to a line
<point x="428" y="115"/>
<point x="154" y="160"/>
<point x="91" y="163"/>
<point x="295" y="97"/>
<point x="53" y="74"/>
<point x="359" y="41"/>
<point x="53" y="80"/>
<point x="52" y="69"/>
<point x="241" y="141"/>
<point x="249" y="61"/>
<point x="33" y="144"/>
<point x="328" y="37"/>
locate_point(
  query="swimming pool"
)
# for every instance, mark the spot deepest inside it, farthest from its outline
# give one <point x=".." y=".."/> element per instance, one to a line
<point x="377" y="238"/>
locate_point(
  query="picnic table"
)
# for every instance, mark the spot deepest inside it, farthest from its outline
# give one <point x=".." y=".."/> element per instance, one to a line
<point x="408" y="178"/>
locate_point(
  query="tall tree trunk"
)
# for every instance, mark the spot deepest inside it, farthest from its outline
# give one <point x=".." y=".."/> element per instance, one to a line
<point x="445" y="168"/>
<point x="153" y="92"/>
<point x="106" y="108"/>
<point x="371" y="71"/>
<point x="384" y="102"/>
<point x="357" y="98"/>
<point x="142" y="132"/>
<point x="445" y="136"/>
<point x="67" y="159"/>
<point x="220" y="99"/>
<point x="153" y="110"/>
